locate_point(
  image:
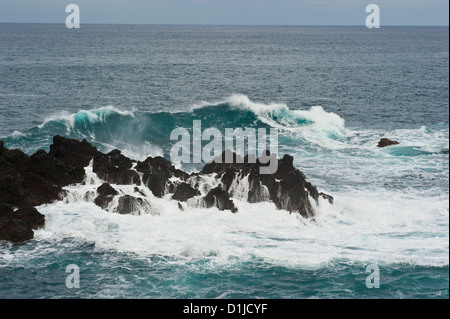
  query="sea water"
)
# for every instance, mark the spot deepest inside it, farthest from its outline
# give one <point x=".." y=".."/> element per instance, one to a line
<point x="332" y="92"/>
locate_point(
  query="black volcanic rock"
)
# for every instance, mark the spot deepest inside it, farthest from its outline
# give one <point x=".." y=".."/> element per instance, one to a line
<point x="15" y="230"/>
<point x="31" y="180"/>
<point x="17" y="225"/>
<point x="293" y="190"/>
<point x="74" y="154"/>
<point x="386" y="142"/>
<point x="137" y="190"/>
<point x="329" y="198"/>
<point x="157" y="172"/>
<point x="106" y="194"/>
<point x="219" y="198"/>
<point x="129" y="204"/>
<point x="27" y="181"/>
<point x="30" y="214"/>
<point x="184" y="192"/>
<point x="115" y="168"/>
<point x="106" y="190"/>
<point x="287" y="187"/>
<point x="223" y="167"/>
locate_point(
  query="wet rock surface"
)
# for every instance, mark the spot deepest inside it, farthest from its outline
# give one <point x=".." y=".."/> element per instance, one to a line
<point x="115" y="168"/>
<point x="17" y="224"/>
<point x="105" y="196"/>
<point x="184" y="192"/>
<point x="386" y="142"/>
<point x="287" y="187"/>
<point x="27" y="181"/>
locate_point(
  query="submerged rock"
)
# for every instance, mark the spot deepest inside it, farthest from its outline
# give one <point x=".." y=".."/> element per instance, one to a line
<point x="386" y="142"/>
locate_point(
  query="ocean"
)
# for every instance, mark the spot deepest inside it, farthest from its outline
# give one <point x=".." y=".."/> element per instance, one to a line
<point x="332" y="92"/>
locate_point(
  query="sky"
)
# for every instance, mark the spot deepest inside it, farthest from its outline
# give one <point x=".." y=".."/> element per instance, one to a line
<point x="229" y="12"/>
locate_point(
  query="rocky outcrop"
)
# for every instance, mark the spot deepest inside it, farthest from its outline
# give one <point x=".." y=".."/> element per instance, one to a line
<point x="156" y="174"/>
<point x="105" y="196"/>
<point x="115" y="168"/>
<point x="386" y="142"/>
<point x="219" y="198"/>
<point x="32" y="180"/>
<point x="184" y="192"/>
<point x="287" y="187"/>
<point x="124" y="204"/>
<point x="327" y="197"/>
<point x="17" y="224"/>
<point x="28" y="181"/>
<point x="74" y="154"/>
<point x="131" y="205"/>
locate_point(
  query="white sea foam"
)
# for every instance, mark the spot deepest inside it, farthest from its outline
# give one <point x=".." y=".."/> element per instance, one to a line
<point x="328" y="130"/>
<point x="93" y="116"/>
<point x="380" y="214"/>
<point x="314" y="125"/>
<point x="358" y="228"/>
<point x="17" y="134"/>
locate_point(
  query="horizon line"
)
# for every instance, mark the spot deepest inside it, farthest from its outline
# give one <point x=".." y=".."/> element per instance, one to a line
<point x="242" y="25"/>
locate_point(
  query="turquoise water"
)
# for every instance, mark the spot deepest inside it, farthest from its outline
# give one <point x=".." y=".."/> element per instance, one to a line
<point x="332" y="92"/>
<point x="112" y="275"/>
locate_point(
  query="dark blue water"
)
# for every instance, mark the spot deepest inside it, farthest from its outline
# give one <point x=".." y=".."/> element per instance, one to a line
<point x="332" y="91"/>
<point x="397" y="73"/>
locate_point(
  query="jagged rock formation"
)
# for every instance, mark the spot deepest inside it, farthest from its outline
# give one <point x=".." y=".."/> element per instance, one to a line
<point x="17" y="224"/>
<point x="184" y="192"/>
<point x="115" y="168"/>
<point x="287" y="187"/>
<point x="129" y="204"/>
<point x="105" y="196"/>
<point x="157" y="172"/>
<point x="28" y="181"/>
<point x="220" y="198"/>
